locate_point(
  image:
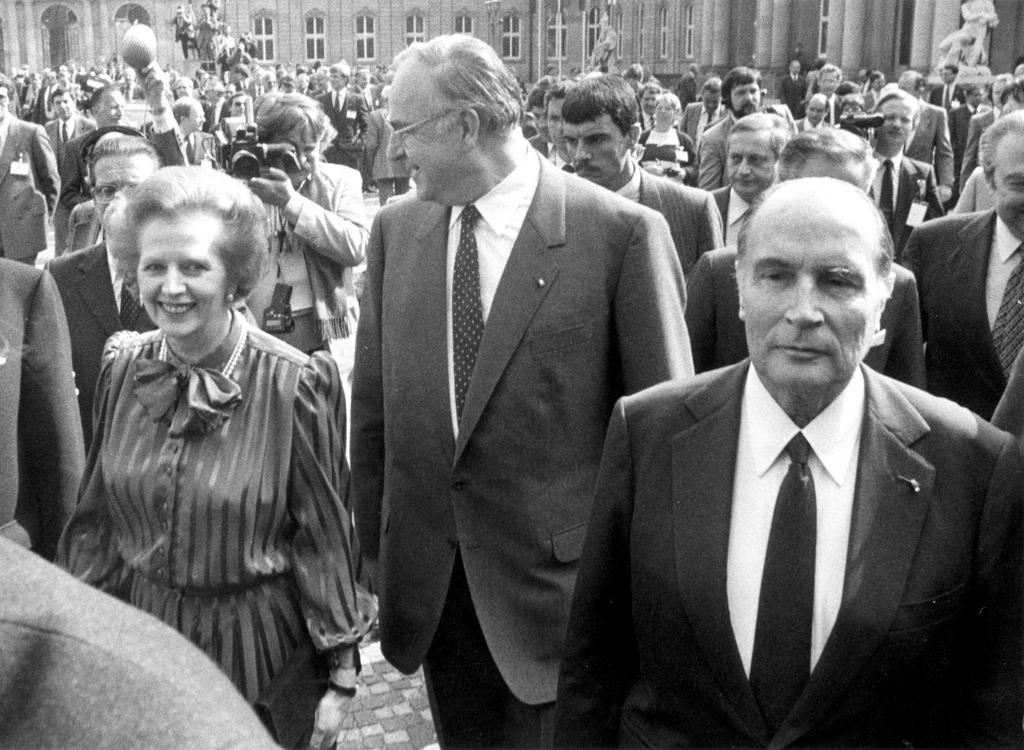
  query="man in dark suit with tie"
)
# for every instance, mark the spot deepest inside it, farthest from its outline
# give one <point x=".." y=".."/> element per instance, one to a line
<point x="717" y="334"/>
<point x="795" y="550"/>
<point x="1007" y="96"/>
<point x="971" y="282"/>
<point x="347" y="113"/>
<point x="506" y="306"/>
<point x="601" y="131"/>
<point x="97" y="284"/>
<point x="793" y="88"/>
<point x="904" y="188"/>
<point x="959" y="125"/>
<point x="68" y="126"/>
<point x="949" y="95"/>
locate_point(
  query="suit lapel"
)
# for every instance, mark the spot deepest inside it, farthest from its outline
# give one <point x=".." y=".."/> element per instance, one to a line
<point x="529" y="275"/>
<point x="12" y="145"/>
<point x="893" y="491"/>
<point x="97" y="292"/>
<point x="650" y="195"/>
<point x="702" y="510"/>
<point x="969" y="267"/>
<point x="904" y="196"/>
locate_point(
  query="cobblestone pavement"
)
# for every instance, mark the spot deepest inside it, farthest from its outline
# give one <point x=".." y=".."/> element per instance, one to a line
<point x="390" y="710"/>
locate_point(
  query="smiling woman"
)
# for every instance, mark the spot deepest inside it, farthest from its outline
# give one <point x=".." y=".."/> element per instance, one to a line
<point x="214" y="499"/>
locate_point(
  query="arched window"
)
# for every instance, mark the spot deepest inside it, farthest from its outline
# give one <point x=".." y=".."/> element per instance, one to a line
<point x="511" y="37"/>
<point x="132" y="12"/>
<point x="463" y="24"/>
<point x="366" y="38"/>
<point x="316" y="37"/>
<point x="663" y="36"/>
<point x="415" y="29"/>
<point x="263" y="33"/>
<point x="593" y="29"/>
<point x="640" y="31"/>
<point x="688" y="30"/>
<point x="822" y="27"/>
<point x="556" y="37"/>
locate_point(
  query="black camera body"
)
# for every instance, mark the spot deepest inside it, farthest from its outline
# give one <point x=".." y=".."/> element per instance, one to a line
<point x="861" y="125"/>
<point x="244" y="156"/>
<point x="277" y="318"/>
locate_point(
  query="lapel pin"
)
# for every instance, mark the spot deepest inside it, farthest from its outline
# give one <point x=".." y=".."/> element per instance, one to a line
<point x="913" y="483"/>
<point x="540" y="283"/>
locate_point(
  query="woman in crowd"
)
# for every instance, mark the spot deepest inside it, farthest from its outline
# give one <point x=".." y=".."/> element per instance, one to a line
<point x="213" y="495"/>
<point x="318" y="230"/>
<point x="667" y="150"/>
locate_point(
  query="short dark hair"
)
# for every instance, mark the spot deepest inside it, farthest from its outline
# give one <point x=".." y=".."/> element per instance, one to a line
<point x="741" y="75"/>
<point x="713" y="83"/>
<point x="557" y="91"/>
<point x="954" y="69"/>
<point x="602" y="95"/>
<point x="635" y="71"/>
<point x="535" y="98"/>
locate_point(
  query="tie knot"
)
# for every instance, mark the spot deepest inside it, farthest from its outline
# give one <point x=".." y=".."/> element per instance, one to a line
<point x="799" y="449"/>
<point x="469" y="215"/>
<point x="887" y="165"/>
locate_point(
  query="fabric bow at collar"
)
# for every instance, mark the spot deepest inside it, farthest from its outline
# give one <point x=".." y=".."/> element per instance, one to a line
<point x="210" y="395"/>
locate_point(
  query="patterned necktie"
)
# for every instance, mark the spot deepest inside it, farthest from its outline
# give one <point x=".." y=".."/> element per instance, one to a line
<point x="1008" y="330"/>
<point x="130" y="307"/>
<point x="781" y="663"/>
<point x="467" y="312"/>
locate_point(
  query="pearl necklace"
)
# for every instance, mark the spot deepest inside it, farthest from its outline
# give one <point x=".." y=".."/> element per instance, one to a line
<point x="228" y="368"/>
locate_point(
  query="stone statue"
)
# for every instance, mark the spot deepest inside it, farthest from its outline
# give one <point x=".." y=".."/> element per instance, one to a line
<point x="605" y="47"/>
<point x="967" y="47"/>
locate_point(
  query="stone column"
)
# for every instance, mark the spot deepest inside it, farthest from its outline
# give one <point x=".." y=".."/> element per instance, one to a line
<point x="921" y="42"/>
<point x="88" y="38"/>
<point x="721" y="55"/>
<point x="704" y="40"/>
<point x="763" y="43"/>
<point x="780" y="34"/>
<point x="834" y="43"/>
<point x="12" y="38"/>
<point x="853" y="36"/>
<point x="107" y="43"/>
<point x="945" y="22"/>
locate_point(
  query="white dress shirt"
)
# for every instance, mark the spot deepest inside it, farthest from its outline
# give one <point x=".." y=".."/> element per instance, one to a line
<point x="739" y="212"/>
<point x="761" y="465"/>
<point x="116" y="279"/>
<point x="502" y="213"/>
<point x="1002" y="259"/>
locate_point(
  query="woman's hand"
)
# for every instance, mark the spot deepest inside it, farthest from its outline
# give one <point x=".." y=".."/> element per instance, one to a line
<point x="330" y="713"/>
<point x="275" y="189"/>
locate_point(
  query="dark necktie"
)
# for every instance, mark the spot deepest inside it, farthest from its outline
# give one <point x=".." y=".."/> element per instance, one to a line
<point x="885" y="196"/>
<point x="1008" y="330"/>
<point x="781" y="662"/>
<point x="467" y="312"/>
<point x="130" y="308"/>
<point x="63" y="132"/>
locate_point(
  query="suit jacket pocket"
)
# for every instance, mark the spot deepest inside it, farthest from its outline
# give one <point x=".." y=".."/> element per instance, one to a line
<point x="566" y="545"/>
<point x="550" y="341"/>
<point x="920" y="614"/>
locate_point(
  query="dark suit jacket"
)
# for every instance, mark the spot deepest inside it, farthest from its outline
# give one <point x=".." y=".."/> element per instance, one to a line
<point x="80" y="669"/>
<point x="691" y="214"/>
<point x="926" y="649"/>
<point x="589" y="307"/>
<point x="1009" y="414"/>
<point x="792" y="94"/>
<point x="978" y="124"/>
<point x="41" y="455"/>
<point x="721" y="196"/>
<point x="950" y="259"/>
<point x="26" y="201"/>
<point x="718" y="337"/>
<point x="912" y="173"/>
<point x="83" y="125"/>
<point x="350" y="121"/>
<point x="691" y="119"/>
<point x="935" y="96"/>
<point x="83" y="278"/>
<point x="959" y="125"/>
<point x="931" y="143"/>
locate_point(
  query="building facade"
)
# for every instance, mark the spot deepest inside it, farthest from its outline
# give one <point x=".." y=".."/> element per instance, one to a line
<point x="533" y="36"/>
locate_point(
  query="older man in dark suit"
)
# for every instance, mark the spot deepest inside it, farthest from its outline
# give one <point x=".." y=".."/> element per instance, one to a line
<point x="971" y="281"/>
<point x="41" y="454"/>
<point x="601" y="131"/>
<point x="717" y="334"/>
<point x="795" y="550"/>
<point x="506" y="307"/>
<point x="347" y="112"/>
<point x="29" y="182"/>
<point x="98" y="284"/>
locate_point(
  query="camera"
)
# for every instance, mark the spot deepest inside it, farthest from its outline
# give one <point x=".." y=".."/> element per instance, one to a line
<point x="861" y="125"/>
<point x="242" y="155"/>
<point x="277" y="318"/>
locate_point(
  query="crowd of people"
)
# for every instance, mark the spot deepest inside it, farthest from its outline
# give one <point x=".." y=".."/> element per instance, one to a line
<point x="636" y="416"/>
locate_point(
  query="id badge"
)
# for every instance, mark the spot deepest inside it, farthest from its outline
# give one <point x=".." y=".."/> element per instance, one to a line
<point x="350" y="115"/>
<point x="19" y="168"/>
<point x="917" y="211"/>
<point x="682" y="156"/>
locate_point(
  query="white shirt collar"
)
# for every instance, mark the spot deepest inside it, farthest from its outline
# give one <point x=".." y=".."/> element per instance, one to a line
<point x="737" y="208"/>
<point x="1004" y="243"/>
<point x="896" y="160"/>
<point x="631" y="189"/>
<point x="832" y="434"/>
<point x="498" y="206"/>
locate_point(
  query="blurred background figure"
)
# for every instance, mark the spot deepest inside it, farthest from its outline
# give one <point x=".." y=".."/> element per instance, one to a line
<point x="390" y="175"/>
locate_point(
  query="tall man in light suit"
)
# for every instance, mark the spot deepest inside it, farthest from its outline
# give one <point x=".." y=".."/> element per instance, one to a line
<point x="29" y="182"/>
<point x="843" y="569"/>
<point x="505" y="309"/>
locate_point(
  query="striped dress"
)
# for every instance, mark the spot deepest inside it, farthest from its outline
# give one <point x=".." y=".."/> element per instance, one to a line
<point x="217" y="507"/>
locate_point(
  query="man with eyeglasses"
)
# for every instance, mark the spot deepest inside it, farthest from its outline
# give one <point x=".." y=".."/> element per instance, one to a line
<point x="98" y="289"/>
<point x="28" y="183"/>
<point x="506" y="306"/>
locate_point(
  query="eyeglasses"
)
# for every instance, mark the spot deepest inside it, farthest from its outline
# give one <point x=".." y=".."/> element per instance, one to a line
<point x="407" y="130"/>
<point x="106" y="193"/>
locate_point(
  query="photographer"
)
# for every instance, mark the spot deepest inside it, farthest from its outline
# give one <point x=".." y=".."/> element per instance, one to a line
<point x="318" y="231"/>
